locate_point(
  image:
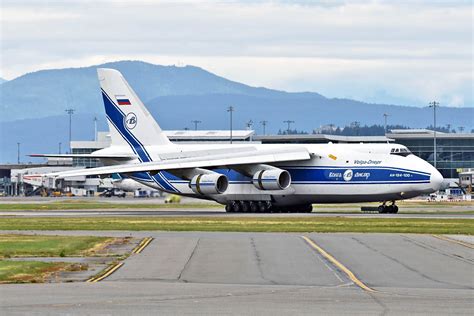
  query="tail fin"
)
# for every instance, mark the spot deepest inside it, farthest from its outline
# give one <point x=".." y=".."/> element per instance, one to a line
<point x="129" y="121"/>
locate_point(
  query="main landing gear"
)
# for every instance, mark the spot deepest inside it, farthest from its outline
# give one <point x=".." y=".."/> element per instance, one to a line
<point x="392" y="208"/>
<point x="265" y="207"/>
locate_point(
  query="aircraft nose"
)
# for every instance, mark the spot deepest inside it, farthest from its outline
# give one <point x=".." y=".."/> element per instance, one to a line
<point x="436" y="179"/>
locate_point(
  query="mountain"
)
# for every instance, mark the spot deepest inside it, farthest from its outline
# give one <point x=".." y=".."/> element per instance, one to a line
<point x="2" y="80"/>
<point x="52" y="91"/>
<point x="32" y="106"/>
<point x="186" y="93"/>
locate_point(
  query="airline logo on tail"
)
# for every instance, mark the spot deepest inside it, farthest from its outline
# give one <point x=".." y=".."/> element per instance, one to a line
<point x="131" y="120"/>
<point x="122" y="100"/>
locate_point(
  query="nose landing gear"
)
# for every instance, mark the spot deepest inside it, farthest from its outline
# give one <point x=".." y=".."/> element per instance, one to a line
<point x="392" y="208"/>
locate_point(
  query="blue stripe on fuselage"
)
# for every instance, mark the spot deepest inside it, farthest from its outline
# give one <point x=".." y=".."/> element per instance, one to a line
<point x="332" y="175"/>
<point x="359" y="175"/>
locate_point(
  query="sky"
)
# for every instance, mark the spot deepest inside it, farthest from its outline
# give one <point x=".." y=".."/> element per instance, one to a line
<point x="399" y="52"/>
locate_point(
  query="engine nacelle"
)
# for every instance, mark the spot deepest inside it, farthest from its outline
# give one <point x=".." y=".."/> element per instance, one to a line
<point x="272" y="179"/>
<point x="211" y="183"/>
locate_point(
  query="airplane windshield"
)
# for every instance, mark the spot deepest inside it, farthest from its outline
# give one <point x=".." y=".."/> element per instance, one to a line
<point x="400" y="151"/>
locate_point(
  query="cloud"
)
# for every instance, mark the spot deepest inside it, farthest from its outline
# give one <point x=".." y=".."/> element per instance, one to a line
<point x="415" y="50"/>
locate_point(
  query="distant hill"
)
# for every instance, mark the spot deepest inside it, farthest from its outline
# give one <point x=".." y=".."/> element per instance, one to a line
<point x="52" y="91"/>
<point x="2" y="80"/>
<point x="43" y="135"/>
<point x="186" y="93"/>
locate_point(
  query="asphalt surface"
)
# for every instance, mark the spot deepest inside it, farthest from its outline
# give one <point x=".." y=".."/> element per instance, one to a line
<point x="266" y="274"/>
<point x="185" y="212"/>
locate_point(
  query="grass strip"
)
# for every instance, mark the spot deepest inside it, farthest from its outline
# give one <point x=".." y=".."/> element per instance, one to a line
<point x="91" y="205"/>
<point x="50" y="246"/>
<point x="28" y="271"/>
<point x="101" y="205"/>
<point x="246" y="224"/>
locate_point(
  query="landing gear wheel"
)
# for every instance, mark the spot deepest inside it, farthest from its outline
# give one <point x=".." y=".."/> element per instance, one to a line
<point x="262" y="207"/>
<point x="254" y="207"/>
<point x="229" y="207"/>
<point x="237" y="207"/>
<point x="245" y="206"/>
<point x="389" y="209"/>
<point x="395" y="209"/>
<point x="381" y="209"/>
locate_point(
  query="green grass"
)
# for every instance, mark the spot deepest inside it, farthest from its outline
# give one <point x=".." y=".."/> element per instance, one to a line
<point x="246" y="224"/>
<point x="60" y="205"/>
<point x="27" y="271"/>
<point x="405" y="206"/>
<point x="49" y="246"/>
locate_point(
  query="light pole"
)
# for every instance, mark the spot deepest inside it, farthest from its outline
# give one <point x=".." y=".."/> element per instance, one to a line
<point x="434" y="105"/>
<point x="289" y="123"/>
<point x="195" y="122"/>
<point x="70" y="112"/>
<point x="59" y="148"/>
<point x="230" y="109"/>
<point x="385" y="115"/>
<point x="95" y="128"/>
<point x="18" y="153"/>
<point x="264" y="124"/>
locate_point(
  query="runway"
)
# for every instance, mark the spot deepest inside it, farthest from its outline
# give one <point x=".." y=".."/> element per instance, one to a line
<point x="217" y="212"/>
<point x="268" y="274"/>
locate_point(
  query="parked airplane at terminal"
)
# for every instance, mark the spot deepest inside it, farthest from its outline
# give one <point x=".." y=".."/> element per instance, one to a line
<point x="252" y="177"/>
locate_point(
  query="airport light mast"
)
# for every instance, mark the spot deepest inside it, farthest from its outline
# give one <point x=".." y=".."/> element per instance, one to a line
<point x="289" y="123"/>
<point x="196" y="122"/>
<point x="230" y="109"/>
<point x="264" y="124"/>
<point x="434" y="105"/>
<point x="95" y="128"/>
<point x="70" y="112"/>
<point x="18" y="153"/>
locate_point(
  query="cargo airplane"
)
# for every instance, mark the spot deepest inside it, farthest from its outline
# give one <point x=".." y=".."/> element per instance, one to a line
<point x="251" y="177"/>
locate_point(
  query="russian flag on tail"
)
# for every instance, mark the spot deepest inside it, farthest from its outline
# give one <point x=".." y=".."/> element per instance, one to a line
<point x="122" y="100"/>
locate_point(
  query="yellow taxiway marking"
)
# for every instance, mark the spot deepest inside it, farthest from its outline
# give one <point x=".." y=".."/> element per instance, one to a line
<point x="145" y="242"/>
<point x="339" y="265"/>
<point x="459" y="242"/>
<point x="108" y="272"/>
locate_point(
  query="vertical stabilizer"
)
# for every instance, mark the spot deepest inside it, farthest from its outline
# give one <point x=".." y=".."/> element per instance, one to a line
<point x="129" y="121"/>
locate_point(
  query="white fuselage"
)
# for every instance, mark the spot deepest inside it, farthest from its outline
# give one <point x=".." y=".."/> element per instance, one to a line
<point x="336" y="173"/>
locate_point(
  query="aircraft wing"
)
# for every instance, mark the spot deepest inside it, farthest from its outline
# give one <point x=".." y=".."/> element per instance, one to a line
<point x="209" y="161"/>
<point x="108" y="156"/>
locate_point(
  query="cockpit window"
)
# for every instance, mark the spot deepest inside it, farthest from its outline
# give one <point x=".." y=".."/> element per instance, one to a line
<point x="400" y="151"/>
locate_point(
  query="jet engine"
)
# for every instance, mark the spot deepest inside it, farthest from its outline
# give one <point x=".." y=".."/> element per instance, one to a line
<point x="209" y="183"/>
<point x="272" y="179"/>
